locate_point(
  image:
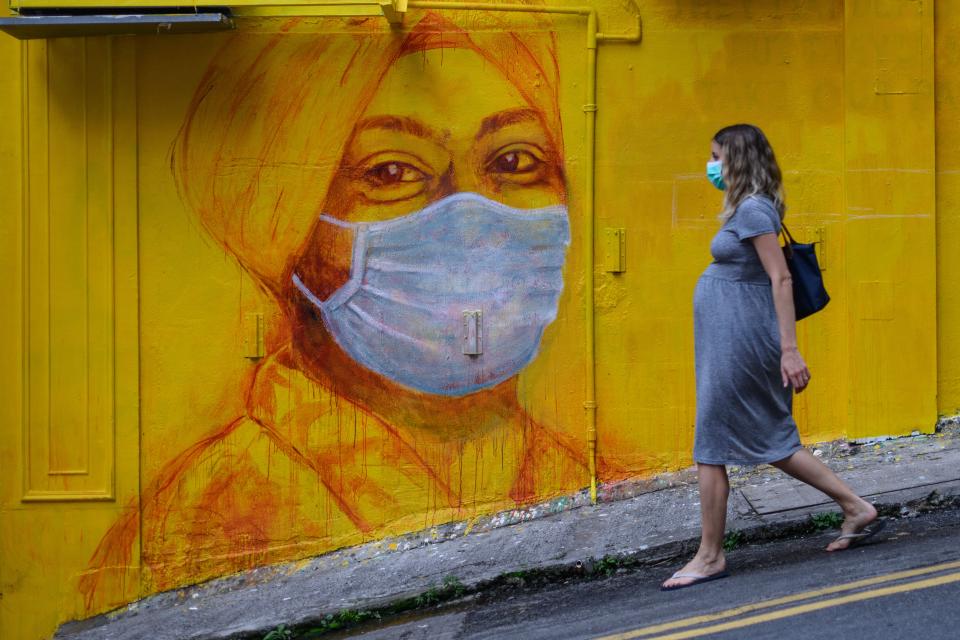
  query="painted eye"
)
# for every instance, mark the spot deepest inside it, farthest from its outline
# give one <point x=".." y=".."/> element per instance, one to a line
<point x="515" y="161"/>
<point x="391" y="173"/>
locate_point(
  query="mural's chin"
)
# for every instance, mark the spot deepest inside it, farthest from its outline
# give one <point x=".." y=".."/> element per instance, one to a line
<point x="437" y="368"/>
<point x="465" y="392"/>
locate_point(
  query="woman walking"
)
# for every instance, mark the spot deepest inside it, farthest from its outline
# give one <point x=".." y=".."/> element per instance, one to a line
<point x="747" y="362"/>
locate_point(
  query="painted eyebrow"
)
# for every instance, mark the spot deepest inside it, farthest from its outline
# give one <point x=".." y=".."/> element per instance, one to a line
<point x="403" y="124"/>
<point x="502" y="119"/>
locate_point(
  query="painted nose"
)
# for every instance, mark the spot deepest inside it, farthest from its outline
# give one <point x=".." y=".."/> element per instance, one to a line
<point x="459" y="177"/>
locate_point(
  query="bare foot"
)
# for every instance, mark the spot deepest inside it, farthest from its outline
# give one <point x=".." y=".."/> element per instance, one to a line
<point x="853" y="522"/>
<point x="701" y="566"/>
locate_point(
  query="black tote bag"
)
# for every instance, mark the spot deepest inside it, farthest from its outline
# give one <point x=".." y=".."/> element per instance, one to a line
<point x="809" y="294"/>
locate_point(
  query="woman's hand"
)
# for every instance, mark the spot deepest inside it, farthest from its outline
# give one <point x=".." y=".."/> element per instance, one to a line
<point x="794" y="370"/>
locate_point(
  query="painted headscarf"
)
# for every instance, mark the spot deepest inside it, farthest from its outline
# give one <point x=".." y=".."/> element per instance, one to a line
<point x="268" y="124"/>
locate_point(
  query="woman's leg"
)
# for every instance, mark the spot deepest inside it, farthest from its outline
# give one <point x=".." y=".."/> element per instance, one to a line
<point x="857" y="512"/>
<point x="714" y="489"/>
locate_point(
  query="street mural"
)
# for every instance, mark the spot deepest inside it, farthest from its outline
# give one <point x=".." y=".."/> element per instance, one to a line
<point x="403" y="199"/>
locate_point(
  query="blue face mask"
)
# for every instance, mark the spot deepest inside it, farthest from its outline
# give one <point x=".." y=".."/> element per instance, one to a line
<point x="715" y="174"/>
<point x="413" y="279"/>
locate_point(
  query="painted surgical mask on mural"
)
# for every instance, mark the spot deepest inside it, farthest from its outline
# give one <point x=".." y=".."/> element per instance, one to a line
<point x="401" y="313"/>
<point x="715" y="174"/>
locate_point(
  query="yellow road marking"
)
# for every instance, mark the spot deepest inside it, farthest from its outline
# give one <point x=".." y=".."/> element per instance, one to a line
<point x="813" y="606"/>
<point x="776" y="602"/>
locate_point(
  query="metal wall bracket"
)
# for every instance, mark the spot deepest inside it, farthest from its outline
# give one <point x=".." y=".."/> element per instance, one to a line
<point x="253" y="336"/>
<point x="472" y="333"/>
<point x="394" y="10"/>
<point x="615" y="250"/>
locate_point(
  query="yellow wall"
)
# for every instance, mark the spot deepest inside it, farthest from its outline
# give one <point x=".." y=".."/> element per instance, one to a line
<point x="159" y="191"/>
<point x="948" y="206"/>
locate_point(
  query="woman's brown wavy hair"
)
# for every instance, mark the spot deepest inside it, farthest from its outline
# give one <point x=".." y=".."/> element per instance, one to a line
<point x="749" y="168"/>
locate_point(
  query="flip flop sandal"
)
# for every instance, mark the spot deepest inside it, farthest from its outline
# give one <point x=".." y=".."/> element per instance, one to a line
<point x="866" y="533"/>
<point x="696" y="577"/>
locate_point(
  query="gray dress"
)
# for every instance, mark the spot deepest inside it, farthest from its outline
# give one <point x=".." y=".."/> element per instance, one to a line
<point x="743" y="410"/>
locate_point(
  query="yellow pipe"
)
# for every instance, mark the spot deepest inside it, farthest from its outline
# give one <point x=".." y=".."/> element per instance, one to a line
<point x="590" y="110"/>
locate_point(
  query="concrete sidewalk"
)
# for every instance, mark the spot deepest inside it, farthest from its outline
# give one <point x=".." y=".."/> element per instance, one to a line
<point x="648" y="522"/>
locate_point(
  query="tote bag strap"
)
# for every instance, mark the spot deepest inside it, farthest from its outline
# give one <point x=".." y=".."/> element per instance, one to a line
<point x="788" y="240"/>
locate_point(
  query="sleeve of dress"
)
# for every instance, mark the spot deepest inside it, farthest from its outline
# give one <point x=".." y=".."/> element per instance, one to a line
<point x="755" y="216"/>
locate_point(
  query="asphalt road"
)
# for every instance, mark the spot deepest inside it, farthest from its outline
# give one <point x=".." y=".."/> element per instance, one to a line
<point x="907" y="588"/>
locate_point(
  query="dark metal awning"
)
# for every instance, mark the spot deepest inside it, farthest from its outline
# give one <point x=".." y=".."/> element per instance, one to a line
<point x="65" y="26"/>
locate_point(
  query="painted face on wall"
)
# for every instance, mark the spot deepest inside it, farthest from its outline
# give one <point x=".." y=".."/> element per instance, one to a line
<point x="449" y="200"/>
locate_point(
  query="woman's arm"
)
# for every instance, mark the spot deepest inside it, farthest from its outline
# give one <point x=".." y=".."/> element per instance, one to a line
<point x="792" y="367"/>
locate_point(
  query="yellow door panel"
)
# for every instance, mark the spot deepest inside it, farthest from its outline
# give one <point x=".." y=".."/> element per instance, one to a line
<point x="947" y="61"/>
<point x="70" y="446"/>
<point x="69" y="428"/>
<point x="889" y="221"/>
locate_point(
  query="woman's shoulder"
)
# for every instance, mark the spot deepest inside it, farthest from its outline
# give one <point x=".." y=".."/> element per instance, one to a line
<point x="758" y="201"/>
<point x="755" y="215"/>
